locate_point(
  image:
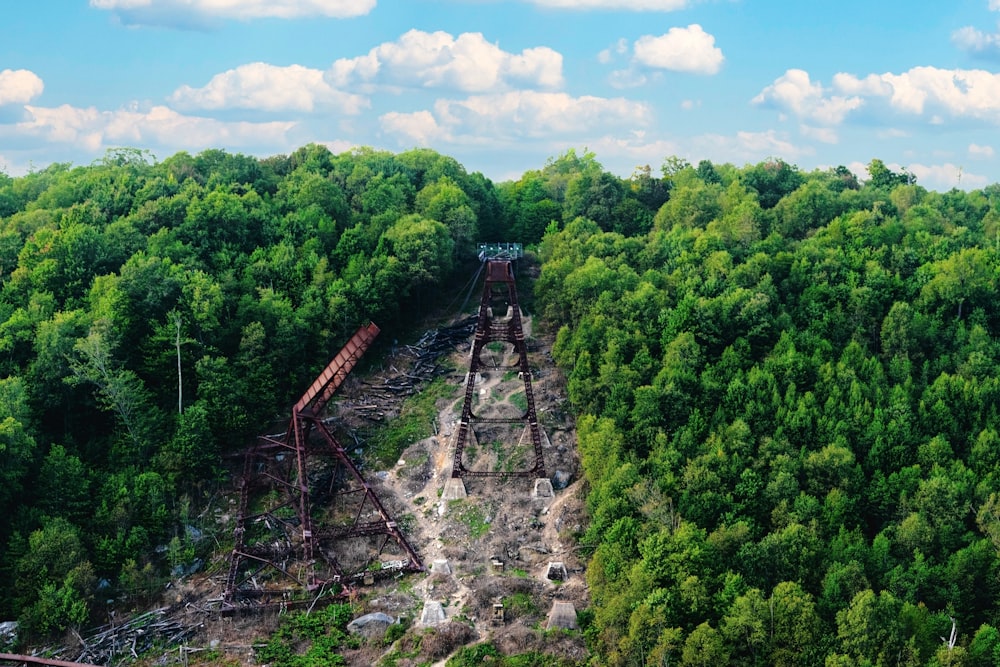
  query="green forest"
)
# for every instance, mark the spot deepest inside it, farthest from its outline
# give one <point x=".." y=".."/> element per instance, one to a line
<point x="785" y="383"/>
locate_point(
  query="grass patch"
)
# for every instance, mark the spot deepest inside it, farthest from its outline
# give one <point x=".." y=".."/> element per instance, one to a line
<point x="521" y="604"/>
<point x="415" y="422"/>
<point x="519" y="401"/>
<point x="471" y="515"/>
<point x="310" y="640"/>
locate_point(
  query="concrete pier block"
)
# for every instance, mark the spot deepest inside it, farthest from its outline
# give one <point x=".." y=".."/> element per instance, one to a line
<point x="543" y="488"/>
<point x="433" y="613"/>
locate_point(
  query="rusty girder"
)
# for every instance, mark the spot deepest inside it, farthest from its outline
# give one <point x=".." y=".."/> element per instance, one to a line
<point x="275" y="536"/>
<point x="499" y="283"/>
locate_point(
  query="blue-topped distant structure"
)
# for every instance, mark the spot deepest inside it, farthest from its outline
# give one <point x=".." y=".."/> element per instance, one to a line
<point x="488" y="251"/>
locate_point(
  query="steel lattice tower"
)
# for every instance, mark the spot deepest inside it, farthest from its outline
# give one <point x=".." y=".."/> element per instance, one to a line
<point x="287" y="480"/>
<point x="499" y="286"/>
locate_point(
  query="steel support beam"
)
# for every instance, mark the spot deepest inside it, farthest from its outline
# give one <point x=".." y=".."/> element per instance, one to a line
<point x="499" y="281"/>
<point x="281" y="539"/>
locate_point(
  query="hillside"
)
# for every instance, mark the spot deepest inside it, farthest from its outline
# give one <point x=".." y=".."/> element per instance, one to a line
<point x="495" y="546"/>
<point x="778" y="423"/>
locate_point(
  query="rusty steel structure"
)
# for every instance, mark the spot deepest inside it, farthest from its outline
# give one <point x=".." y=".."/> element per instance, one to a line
<point x="303" y="503"/>
<point x="499" y="294"/>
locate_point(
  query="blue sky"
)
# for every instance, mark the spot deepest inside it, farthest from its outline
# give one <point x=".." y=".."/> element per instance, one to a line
<point x="504" y="85"/>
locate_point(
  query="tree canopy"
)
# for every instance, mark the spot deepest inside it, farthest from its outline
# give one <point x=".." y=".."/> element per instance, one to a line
<point x="785" y="383"/>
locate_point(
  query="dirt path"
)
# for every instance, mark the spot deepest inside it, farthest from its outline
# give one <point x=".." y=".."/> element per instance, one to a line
<point x="498" y="542"/>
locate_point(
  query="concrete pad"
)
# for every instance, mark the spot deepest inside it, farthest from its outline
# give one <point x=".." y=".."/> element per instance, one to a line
<point x="563" y="616"/>
<point x="543" y="488"/>
<point x="454" y="489"/>
<point x="433" y="613"/>
<point x="440" y="566"/>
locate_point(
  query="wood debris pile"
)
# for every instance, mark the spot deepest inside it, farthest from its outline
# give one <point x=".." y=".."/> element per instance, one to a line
<point x="411" y="366"/>
<point x="118" y="643"/>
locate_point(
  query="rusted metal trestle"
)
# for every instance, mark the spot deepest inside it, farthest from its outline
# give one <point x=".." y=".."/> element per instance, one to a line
<point x="499" y="287"/>
<point x="302" y="499"/>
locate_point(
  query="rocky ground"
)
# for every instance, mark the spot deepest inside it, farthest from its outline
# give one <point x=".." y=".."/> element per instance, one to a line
<point x="501" y="544"/>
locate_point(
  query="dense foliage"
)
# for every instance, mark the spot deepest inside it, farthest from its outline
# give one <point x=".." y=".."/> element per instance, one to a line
<point x="786" y="383"/>
<point x="788" y="416"/>
<point x="154" y="316"/>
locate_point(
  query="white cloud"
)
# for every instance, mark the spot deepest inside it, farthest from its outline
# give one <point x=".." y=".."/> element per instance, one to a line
<point x="633" y="5"/>
<point x="92" y="129"/>
<point x="421" y="127"/>
<point x="892" y="133"/>
<point x="977" y="151"/>
<point x="975" y="40"/>
<point x="796" y="93"/>
<point x="338" y="146"/>
<point x="946" y="176"/>
<point x="689" y="49"/>
<point x="744" y="147"/>
<point x="767" y="143"/>
<point x="607" y="55"/>
<point x="825" y="135"/>
<point x="516" y="115"/>
<point x="438" y="60"/>
<point x="959" y="93"/>
<point x="627" y="78"/>
<point x="8" y="167"/>
<point x="185" y="12"/>
<point x="268" y="88"/>
<point x="19" y="86"/>
<point x="632" y="151"/>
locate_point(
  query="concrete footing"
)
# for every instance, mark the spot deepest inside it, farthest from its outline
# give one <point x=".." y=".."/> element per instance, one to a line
<point x="556" y="571"/>
<point x="440" y="566"/>
<point x="563" y="616"/>
<point x="433" y="613"/>
<point x="454" y="489"/>
<point x="543" y="488"/>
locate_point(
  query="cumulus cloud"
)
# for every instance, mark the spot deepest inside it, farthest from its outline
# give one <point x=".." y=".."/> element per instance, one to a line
<point x="825" y="135"/>
<point x="976" y="41"/>
<point x="931" y="90"/>
<point x="627" y="78"/>
<point x="268" y="88"/>
<point x="439" y="60"/>
<point x="420" y="126"/>
<point x="767" y="143"/>
<point x="745" y="147"/>
<point x="92" y="129"/>
<point x="187" y="13"/>
<point x="892" y="133"/>
<point x="516" y="115"/>
<point x="632" y="5"/>
<point x="634" y="149"/>
<point x="978" y="151"/>
<point x="934" y="95"/>
<point x="689" y="49"/>
<point x="794" y="92"/>
<point x="19" y="86"/>
<point x="946" y="176"/>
